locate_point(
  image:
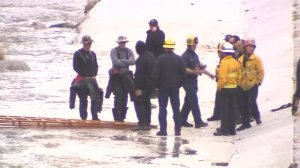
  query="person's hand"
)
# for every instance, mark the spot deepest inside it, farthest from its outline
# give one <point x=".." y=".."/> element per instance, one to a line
<point x="138" y="92"/>
<point x="198" y="71"/>
<point x="211" y="76"/>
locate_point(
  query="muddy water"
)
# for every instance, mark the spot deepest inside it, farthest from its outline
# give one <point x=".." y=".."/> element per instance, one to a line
<point x="88" y="148"/>
<point x="38" y="58"/>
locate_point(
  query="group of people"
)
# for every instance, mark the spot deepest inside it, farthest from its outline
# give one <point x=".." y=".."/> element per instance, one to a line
<point x="159" y="69"/>
<point x="239" y="75"/>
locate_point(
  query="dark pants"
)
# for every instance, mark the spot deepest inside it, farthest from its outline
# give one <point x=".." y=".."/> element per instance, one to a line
<point x="227" y="115"/>
<point x="191" y="103"/>
<point x="216" y="113"/>
<point x="83" y="103"/>
<point x="120" y="99"/>
<point x="248" y="104"/>
<point x="163" y="97"/>
<point x="142" y="105"/>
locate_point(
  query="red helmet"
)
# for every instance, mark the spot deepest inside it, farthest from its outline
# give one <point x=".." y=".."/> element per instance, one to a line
<point x="250" y="42"/>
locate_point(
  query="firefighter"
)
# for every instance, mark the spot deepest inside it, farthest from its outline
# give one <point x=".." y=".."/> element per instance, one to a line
<point x="193" y="68"/>
<point x="229" y="75"/>
<point x="253" y="74"/>
<point x="216" y="112"/>
<point x="168" y="75"/>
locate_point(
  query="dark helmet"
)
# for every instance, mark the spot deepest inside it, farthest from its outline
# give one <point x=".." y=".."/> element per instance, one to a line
<point x="153" y="22"/>
<point x="227" y="37"/>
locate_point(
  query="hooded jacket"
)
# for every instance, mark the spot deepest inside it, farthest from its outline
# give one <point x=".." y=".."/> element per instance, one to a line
<point x="144" y="67"/>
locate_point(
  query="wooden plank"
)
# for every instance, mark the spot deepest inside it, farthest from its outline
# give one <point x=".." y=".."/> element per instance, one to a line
<point x="23" y="121"/>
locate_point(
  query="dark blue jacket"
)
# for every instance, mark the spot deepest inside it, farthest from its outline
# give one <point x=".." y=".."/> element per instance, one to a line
<point x="85" y="63"/>
<point x="169" y="71"/>
<point x="155" y="41"/>
<point x="190" y="60"/>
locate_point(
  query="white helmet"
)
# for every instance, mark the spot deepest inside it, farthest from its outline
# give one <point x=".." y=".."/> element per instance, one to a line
<point x="227" y="48"/>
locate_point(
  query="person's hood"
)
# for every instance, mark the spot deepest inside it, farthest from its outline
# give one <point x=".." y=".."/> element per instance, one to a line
<point x="140" y="47"/>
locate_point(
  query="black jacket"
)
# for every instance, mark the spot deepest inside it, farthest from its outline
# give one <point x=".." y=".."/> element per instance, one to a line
<point x="169" y="71"/>
<point x="85" y="63"/>
<point x="155" y="41"/>
<point x="143" y="72"/>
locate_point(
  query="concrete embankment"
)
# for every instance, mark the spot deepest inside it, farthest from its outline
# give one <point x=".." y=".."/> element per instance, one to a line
<point x="269" y="22"/>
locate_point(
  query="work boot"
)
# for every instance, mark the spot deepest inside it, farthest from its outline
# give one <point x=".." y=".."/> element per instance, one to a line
<point x="258" y="121"/>
<point x="213" y="118"/>
<point x="186" y="124"/>
<point x="162" y="133"/>
<point x="141" y="128"/>
<point x="242" y="127"/>
<point x="201" y="124"/>
<point x="232" y="133"/>
<point x="220" y="133"/>
<point x="177" y="133"/>
<point x="239" y="121"/>
<point x="96" y="119"/>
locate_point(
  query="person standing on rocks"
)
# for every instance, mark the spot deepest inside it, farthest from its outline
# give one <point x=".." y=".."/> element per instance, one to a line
<point x="253" y="75"/>
<point x="143" y="85"/>
<point x="121" y="77"/>
<point x="193" y="68"/>
<point x="229" y="75"/>
<point x="169" y="74"/>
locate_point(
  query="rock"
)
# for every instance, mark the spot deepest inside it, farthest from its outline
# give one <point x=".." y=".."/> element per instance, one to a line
<point x="293" y="165"/>
<point x="38" y="25"/>
<point x="89" y="5"/>
<point x="63" y="25"/>
<point x="13" y="65"/>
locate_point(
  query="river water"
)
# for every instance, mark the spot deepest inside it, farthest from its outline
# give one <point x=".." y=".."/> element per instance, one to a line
<point x="37" y="60"/>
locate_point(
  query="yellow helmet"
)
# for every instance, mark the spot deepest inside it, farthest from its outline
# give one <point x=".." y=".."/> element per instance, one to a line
<point x="192" y="40"/>
<point x="169" y="43"/>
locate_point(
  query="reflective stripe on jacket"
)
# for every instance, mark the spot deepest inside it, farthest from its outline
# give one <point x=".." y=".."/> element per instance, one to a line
<point x="252" y="73"/>
<point x="229" y="74"/>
